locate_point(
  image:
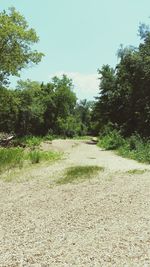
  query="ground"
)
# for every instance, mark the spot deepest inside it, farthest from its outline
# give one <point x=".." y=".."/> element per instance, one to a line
<point x="104" y="221"/>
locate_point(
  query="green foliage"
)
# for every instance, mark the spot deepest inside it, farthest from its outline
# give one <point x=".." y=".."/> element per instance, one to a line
<point x="49" y="137"/>
<point x="31" y="141"/>
<point x="68" y="127"/>
<point x="9" y="110"/>
<point x="38" y="109"/>
<point x="79" y="173"/>
<point x="10" y="158"/>
<point x="16" y="157"/>
<point x="36" y="156"/>
<point x="16" y="39"/>
<point x="111" y="140"/>
<point x="124" y="91"/>
<point x="84" y="113"/>
<point x="133" y="147"/>
<point x="140" y="151"/>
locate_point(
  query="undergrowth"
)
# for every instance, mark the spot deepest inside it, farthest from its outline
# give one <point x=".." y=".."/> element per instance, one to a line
<point x="133" y="147"/>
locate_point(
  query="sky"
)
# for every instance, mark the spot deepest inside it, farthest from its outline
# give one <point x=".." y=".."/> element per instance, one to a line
<point x="79" y="36"/>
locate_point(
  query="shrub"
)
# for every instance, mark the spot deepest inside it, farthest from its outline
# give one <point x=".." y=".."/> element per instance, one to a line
<point x="112" y="140"/>
<point x="136" y="148"/>
<point x="33" y="141"/>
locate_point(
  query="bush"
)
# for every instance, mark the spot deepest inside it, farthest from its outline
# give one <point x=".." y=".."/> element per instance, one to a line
<point x="112" y="140"/>
<point x="69" y="127"/>
<point x="32" y="141"/>
<point x="136" y="148"/>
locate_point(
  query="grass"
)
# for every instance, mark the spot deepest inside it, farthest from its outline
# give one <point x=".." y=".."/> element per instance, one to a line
<point x="11" y="158"/>
<point x="136" y="171"/>
<point x="35" y="141"/>
<point x="79" y="173"/>
<point x="36" y="156"/>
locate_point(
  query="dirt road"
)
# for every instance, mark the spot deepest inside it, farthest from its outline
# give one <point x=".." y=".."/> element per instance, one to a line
<point x="104" y="221"/>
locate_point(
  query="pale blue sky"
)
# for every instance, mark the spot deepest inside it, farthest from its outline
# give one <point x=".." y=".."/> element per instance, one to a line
<point x="79" y="36"/>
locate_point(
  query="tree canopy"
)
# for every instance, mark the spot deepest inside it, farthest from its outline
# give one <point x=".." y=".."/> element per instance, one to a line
<point x="16" y="40"/>
<point x="124" y="98"/>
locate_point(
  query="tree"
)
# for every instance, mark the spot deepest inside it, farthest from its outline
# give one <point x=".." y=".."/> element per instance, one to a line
<point x="31" y="108"/>
<point x="9" y="110"/>
<point x="103" y="111"/>
<point x="124" y="92"/>
<point x="83" y="112"/>
<point x="16" y="40"/>
<point x="64" y="99"/>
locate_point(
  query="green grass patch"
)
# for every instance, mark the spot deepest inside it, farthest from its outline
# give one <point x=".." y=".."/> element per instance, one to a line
<point x="36" y="156"/>
<point x="136" y="171"/>
<point x="10" y="158"/>
<point x="79" y="173"/>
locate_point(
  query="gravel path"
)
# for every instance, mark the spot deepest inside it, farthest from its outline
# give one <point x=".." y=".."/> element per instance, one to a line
<point x="104" y="221"/>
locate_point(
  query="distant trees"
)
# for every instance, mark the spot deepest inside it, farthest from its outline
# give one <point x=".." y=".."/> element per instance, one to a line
<point x="16" y="40"/>
<point x="39" y="109"/>
<point x="34" y="108"/>
<point x="124" y="98"/>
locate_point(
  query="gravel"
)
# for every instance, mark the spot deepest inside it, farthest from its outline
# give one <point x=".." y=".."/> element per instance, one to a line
<point x="104" y="221"/>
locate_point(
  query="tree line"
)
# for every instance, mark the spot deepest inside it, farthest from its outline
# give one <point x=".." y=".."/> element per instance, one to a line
<point x="35" y="108"/>
<point x="32" y="107"/>
<point x="124" y="97"/>
<point x="41" y="108"/>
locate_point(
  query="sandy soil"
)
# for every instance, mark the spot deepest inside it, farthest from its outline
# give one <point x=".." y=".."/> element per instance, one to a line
<point x="104" y="221"/>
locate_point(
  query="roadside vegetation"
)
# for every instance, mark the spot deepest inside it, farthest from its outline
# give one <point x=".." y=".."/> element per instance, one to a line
<point x="11" y="158"/>
<point x="79" y="174"/>
<point x="133" y="147"/>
